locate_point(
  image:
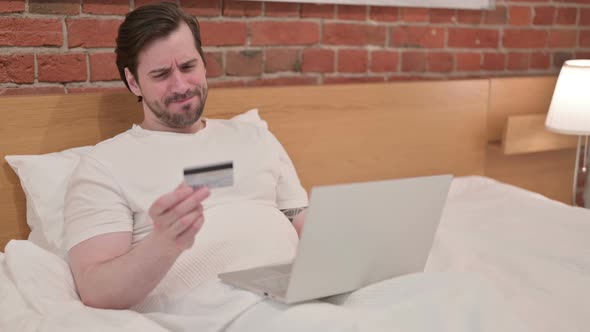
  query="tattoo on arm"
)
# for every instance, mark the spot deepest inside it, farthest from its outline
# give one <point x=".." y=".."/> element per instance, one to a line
<point x="291" y="213"/>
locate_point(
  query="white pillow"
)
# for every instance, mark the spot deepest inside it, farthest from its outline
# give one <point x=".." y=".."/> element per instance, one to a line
<point x="44" y="179"/>
<point x="251" y="116"/>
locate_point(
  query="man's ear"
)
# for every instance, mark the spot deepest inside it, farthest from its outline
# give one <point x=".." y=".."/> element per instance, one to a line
<point x="133" y="84"/>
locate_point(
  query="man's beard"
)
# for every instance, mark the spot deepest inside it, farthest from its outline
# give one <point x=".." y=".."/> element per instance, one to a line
<point x="189" y="115"/>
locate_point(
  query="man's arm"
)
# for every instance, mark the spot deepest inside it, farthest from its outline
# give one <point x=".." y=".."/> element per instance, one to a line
<point x="110" y="274"/>
<point x="297" y="218"/>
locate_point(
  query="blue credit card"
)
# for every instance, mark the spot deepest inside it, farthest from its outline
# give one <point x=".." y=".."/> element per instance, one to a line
<point x="216" y="175"/>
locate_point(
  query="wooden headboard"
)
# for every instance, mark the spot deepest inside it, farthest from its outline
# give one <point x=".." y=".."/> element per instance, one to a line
<point x="334" y="134"/>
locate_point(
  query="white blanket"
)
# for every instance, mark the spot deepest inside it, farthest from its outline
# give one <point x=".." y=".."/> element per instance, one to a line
<point x="504" y="259"/>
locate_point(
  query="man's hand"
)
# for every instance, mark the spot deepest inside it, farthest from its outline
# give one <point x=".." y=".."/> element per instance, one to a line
<point x="299" y="221"/>
<point x="110" y="273"/>
<point x="178" y="217"/>
<point x="296" y="217"/>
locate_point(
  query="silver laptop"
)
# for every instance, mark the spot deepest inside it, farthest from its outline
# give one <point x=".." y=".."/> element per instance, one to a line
<point x="354" y="235"/>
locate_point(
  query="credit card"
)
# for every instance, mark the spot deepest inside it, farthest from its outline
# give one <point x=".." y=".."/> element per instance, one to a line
<point x="213" y="175"/>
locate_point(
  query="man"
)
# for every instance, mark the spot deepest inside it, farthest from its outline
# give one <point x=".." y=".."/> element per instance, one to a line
<point x="137" y="238"/>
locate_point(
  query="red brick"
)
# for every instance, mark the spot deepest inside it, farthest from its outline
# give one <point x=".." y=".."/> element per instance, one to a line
<point x="566" y="16"/>
<point x="318" y="11"/>
<point x="243" y="63"/>
<point x="284" y="33"/>
<point x="92" y="33"/>
<point x="469" y="16"/>
<point x="560" y="57"/>
<point x="281" y="9"/>
<point x="34" y="90"/>
<point x="355" y="79"/>
<point x="353" y="61"/>
<point x="540" y="60"/>
<point x="214" y="62"/>
<point x="526" y="38"/>
<point x="12" y="6"/>
<point x="518" y="61"/>
<point x="17" y="68"/>
<point x="417" y="36"/>
<point x="384" y="61"/>
<point x="584" y="38"/>
<point x="583" y="55"/>
<point x="478" y="38"/>
<point x="230" y="33"/>
<point x="239" y="8"/>
<point x="351" y="12"/>
<point x="318" y="61"/>
<point x="202" y="8"/>
<point x="493" y="61"/>
<point x="283" y="81"/>
<point x="468" y="61"/>
<point x="585" y="16"/>
<point x="100" y="89"/>
<point x="414" y="61"/>
<point x="562" y="38"/>
<point x="353" y="34"/>
<point x="277" y="60"/>
<point x="544" y="15"/>
<point x="384" y="14"/>
<point x="62" y="67"/>
<point x="226" y="83"/>
<point x="139" y="3"/>
<point x="406" y="78"/>
<point x="106" y="7"/>
<point x="16" y="31"/>
<point x="438" y="15"/>
<point x="496" y="16"/>
<point x="65" y="7"/>
<point x="414" y="14"/>
<point x="520" y="15"/>
<point x="440" y="62"/>
<point x="103" y="67"/>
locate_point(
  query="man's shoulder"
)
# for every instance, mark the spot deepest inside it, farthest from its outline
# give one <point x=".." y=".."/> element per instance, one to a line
<point x="109" y="146"/>
<point x="241" y="127"/>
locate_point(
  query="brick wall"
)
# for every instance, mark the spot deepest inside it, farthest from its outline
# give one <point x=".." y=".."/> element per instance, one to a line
<point x="66" y="46"/>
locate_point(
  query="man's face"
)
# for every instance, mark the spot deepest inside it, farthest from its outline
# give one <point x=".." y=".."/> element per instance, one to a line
<point x="171" y="80"/>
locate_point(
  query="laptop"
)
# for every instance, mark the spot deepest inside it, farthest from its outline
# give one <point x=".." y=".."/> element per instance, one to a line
<point x="354" y="235"/>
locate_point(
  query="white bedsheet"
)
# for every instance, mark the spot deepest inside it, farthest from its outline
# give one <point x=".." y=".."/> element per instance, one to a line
<point x="504" y="259"/>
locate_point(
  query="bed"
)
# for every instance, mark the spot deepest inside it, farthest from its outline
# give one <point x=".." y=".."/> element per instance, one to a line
<point x="510" y="253"/>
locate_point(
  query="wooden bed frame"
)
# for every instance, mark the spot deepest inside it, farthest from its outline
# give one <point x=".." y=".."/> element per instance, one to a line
<point x="334" y="134"/>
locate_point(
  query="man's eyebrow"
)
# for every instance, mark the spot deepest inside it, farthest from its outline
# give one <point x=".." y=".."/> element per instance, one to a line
<point x="189" y="62"/>
<point x="159" y="70"/>
<point x="165" y="69"/>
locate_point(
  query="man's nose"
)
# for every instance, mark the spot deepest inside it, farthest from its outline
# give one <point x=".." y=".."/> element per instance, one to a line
<point x="178" y="83"/>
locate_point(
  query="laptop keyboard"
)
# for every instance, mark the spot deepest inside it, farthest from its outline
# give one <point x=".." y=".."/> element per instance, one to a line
<point x="275" y="285"/>
<point x="276" y="278"/>
<point x="282" y="268"/>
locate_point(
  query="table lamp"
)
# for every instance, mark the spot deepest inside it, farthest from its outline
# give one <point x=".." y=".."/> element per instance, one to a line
<point x="569" y="112"/>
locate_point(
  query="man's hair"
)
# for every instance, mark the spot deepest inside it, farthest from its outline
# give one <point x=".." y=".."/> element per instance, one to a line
<point x="146" y="24"/>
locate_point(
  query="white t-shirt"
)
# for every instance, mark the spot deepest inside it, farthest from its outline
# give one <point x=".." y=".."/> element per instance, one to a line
<point x="116" y="183"/>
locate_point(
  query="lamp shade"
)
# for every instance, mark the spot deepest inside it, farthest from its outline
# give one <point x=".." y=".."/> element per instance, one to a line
<point x="569" y="112"/>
